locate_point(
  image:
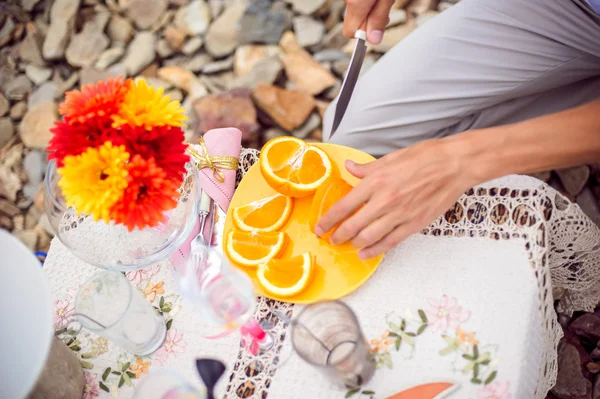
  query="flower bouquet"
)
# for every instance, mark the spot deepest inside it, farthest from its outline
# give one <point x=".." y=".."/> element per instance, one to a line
<point x="120" y="180"/>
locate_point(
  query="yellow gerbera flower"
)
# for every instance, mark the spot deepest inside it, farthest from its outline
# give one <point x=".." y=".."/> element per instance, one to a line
<point x="94" y="180"/>
<point x="146" y="106"/>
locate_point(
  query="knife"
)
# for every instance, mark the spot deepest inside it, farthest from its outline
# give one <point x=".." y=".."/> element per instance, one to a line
<point x="351" y="77"/>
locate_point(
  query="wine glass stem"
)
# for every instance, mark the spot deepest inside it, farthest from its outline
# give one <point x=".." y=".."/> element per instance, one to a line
<point x="266" y="343"/>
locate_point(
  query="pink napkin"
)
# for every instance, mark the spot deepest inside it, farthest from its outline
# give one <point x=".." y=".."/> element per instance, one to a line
<point x="219" y="142"/>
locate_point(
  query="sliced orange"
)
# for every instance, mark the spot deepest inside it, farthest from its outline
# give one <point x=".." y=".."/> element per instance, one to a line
<point x="286" y="277"/>
<point x="254" y="248"/>
<point x="330" y="192"/>
<point x="267" y="214"/>
<point x="294" y="168"/>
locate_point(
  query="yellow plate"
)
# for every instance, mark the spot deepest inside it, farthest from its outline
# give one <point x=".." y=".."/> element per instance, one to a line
<point x="339" y="270"/>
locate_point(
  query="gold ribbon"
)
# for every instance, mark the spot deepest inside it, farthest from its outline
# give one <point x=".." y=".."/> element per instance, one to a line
<point x="215" y="163"/>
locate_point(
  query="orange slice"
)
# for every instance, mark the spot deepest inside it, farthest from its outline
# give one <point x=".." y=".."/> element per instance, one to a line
<point x="286" y="277"/>
<point x="254" y="248"/>
<point x="294" y="168"/>
<point x="330" y="192"/>
<point x="267" y="214"/>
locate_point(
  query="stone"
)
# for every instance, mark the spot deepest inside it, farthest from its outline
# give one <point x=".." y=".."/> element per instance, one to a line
<point x="418" y="7"/>
<point x="306" y="73"/>
<point x="7" y="131"/>
<point x="306" y="7"/>
<point x="589" y="205"/>
<point x="6" y="31"/>
<point x="263" y="22"/>
<point x="36" y="125"/>
<point x="119" y="30"/>
<point x="273" y="133"/>
<point x="249" y="55"/>
<point x="393" y="35"/>
<point x="62" y="19"/>
<point x="336" y="11"/>
<point x="587" y="327"/>
<point x="27" y="237"/>
<point x="192" y="45"/>
<point x="194" y="19"/>
<point x="156" y="82"/>
<point x="140" y="53"/>
<point x="444" y="5"/>
<point x="313" y="122"/>
<point x="178" y="77"/>
<point x="228" y="109"/>
<point x="86" y="46"/>
<point x="68" y="83"/>
<point x="34" y="164"/>
<point x="175" y="95"/>
<point x="266" y="70"/>
<point x="331" y="55"/>
<point x="340" y="67"/>
<point x="109" y="57"/>
<point x="145" y="13"/>
<point x="543" y="176"/>
<point x="288" y="108"/>
<point x="570" y="382"/>
<point x="17" y="112"/>
<point x="4" y="105"/>
<point x="400" y="4"/>
<point x="9" y="209"/>
<point x="222" y="36"/>
<point x="93" y="75"/>
<point x="163" y="49"/>
<point x="30" y="49"/>
<point x="397" y="17"/>
<point x="174" y="36"/>
<point x="36" y="74"/>
<point x="333" y="91"/>
<point x="426" y="17"/>
<point x="309" y="31"/>
<point x="321" y="107"/>
<point x="46" y="92"/>
<point x="335" y="38"/>
<point x="18" y="88"/>
<point x="574" y="179"/>
<point x="219" y="66"/>
<point x="196" y="63"/>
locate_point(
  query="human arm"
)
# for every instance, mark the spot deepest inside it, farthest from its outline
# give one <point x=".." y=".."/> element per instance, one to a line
<point x="407" y="189"/>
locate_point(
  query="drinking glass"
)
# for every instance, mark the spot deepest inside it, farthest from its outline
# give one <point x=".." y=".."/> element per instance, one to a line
<point x="166" y="384"/>
<point x="328" y="336"/>
<point x="109" y="306"/>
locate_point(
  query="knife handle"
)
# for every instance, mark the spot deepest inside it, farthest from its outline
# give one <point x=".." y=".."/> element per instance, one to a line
<point x="361" y="33"/>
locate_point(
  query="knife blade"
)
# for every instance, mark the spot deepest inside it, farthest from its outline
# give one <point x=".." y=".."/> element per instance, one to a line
<point x="350" y="79"/>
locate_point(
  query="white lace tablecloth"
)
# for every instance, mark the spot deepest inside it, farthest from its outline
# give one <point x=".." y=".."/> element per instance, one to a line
<point x="494" y="259"/>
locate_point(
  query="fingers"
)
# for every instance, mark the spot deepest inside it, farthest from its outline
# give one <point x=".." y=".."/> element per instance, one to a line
<point x="376" y="230"/>
<point x="356" y="13"/>
<point x="377" y="20"/>
<point x="342" y="209"/>
<point x="361" y="170"/>
<point x="356" y="224"/>
<point x="388" y="242"/>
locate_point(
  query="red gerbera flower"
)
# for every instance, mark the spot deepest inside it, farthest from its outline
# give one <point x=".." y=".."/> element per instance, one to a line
<point x="163" y="143"/>
<point x="149" y="194"/>
<point x="100" y="100"/>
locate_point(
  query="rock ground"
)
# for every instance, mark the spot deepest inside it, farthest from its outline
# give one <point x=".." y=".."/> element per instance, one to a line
<point x="273" y="75"/>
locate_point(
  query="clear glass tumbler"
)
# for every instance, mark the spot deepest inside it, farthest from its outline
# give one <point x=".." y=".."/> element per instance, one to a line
<point x="328" y="336"/>
<point x="166" y="384"/>
<point x="108" y="305"/>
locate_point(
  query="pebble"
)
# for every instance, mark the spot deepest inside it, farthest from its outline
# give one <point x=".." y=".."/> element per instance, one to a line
<point x="306" y="73"/>
<point x="196" y="63"/>
<point x="175" y="95"/>
<point x="18" y="110"/>
<point x="418" y="7"/>
<point x="46" y="92"/>
<point x="37" y="74"/>
<point x="264" y="22"/>
<point x="273" y="133"/>
<point x="192" y="45"/>
<point x="333" y="91"/>
<point x="267" y="70"/>
<point x="109" y="57"/>
<point x="6" y="31"/>
<point x="288" y="108"/>
<point x="178" y="77"/>
<point x="119" y="30"/>
<point x="145" y="13"/>
<point x="574" y="179"/>
<point x="249" y="55"/>
<point x="397" y="17"/>
<point x="340" y="67"/>
<point x="313" y="122"/>
<point x="219" y="66"/>
<point x="571" y="383"/>
<point x="86" y="46"/>
<point x="27" y="237"/>
<point x="194" y="19"/>
<point x="336" y="11"/>
<point x="4" y="105"/>
<point x="62" y="18"/>
<point x="228" y="109"/>
<point x="164" y="49"/>
<point x="589" y="204"/>
<point x="426" y="17"/>
<point x="331" y="55"/>
<point x="174" y="36"/>
<point x="92" y="75"/>
<point x="30" y="49"/>
<point x="18" y="88"/>
<point x="34" y="164"/>
<point x="335" y="38"/>
<point x="36" y="125"/>
<point x="140" y="53"/>
<point x="306" y="7"/>
<point x="7" y="131"/>
<point x="222" y="36"/>
<point x="309" y="31"/>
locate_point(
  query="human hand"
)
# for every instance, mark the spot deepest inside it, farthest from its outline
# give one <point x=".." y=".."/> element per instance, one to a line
<point x="375" y="12"/>
<point x="403" y="192"/>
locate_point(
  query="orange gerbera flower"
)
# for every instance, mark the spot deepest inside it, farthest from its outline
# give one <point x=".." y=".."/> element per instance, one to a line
<point x="95" y="102"/>
<point x="148" y="195"/>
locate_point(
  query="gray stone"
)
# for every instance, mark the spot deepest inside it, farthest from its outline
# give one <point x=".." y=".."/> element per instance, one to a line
<point x="30" y="49"/>
<point x="397" y="17"/>
<point x="587" y="327"/>
<point x="266" y="70"/>
<point x="109" y="57"/>
<point x="156" y="82"/>
<point x="4" y="105"/>
<point x="589" y="205"/>
<point x="333" y="91"/>
<point x="196" y="63"/>
<point x="37" y="75"/>
<point x="86" y="46"/>
<point x="46" y="92"/>
<point x="17" y="111"/>
<point x="426" y="17"/>
<point x="312" y="123"/>
<point x="574" y="179"/>
<point x="331" y="55"/>
<point x="163" y="49"/>
<point x="596" y="389"/>
<point x="18" y="88"/>
<point x="263" y="23"/>
<point x="340" y="67"/>
<point x="336" y="11"/>
<point x="222" y="36"/>
<point x="335" y="38"/>
<point x="194" y="18"/>
<point x="309" y="31"/>
<point x="6" y="31"/>
<point x="7" y="131"/>
<point x="225" y="64"/>
<point x="28" y="4"/>
<point x="570" y="382"/>
<point x="120" y="30"/>
<point x="307" y="7"/>
<point x="140" y="53"/>
<point x="192" y="45"/>
<point x="274" y="132"/>
<point x="175" y="95"/>
<point x="30" y="239"/>
<point x="145" y="12"/>
<point x="93" y="75"/>
<point x="34" y="164"/>
<point x="62" y="18"/>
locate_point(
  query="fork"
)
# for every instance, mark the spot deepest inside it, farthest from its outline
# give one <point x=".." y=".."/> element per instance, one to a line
<point x="199" y="244"/>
